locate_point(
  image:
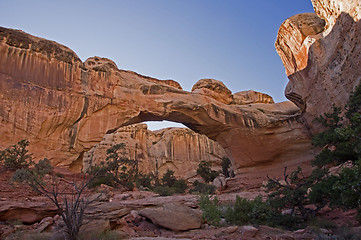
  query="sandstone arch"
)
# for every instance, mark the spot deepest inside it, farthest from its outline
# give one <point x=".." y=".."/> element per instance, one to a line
<point x="66" y="106"/>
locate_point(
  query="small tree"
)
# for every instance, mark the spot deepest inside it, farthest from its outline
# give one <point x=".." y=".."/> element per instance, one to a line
<point x="226" y="163"/>
<point x="69" y="197"/>
<point x="170" y="184"/>
<point x="168" y="178"/>
<point x="292" y="193"/>
<point x="117" y="169"/>
<point x="16" y="156"/>
<point x="205" y="171"/>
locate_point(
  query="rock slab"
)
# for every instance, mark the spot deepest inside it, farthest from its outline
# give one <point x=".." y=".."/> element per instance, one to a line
<point x="172" y="216"/>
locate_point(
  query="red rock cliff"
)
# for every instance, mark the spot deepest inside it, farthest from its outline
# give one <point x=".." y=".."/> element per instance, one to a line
<point x="321" y="54"/>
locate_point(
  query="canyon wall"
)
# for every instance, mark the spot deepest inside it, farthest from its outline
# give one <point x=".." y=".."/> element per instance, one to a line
<point x="177" y="149"/>
<point x="321" y="54"/>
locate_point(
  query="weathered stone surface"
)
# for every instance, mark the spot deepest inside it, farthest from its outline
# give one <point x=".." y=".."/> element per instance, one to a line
<point x="330" y="10"/>
<point x="106" y="211"/>
<point x="44" y="224"/>
<point x="94" y="228"/>
<point x="66" y="107"/>
<point x="177" y="149"/>
<point x="292" y="43"/>
<point x="214" y="89"/>
<point x="220" y="183"/>
<point x="321" y="57"/>
<point x="25" y="212"/>
<point x="173" y="216"/>
<point x="248" y="231"/>
<point x="251" y="96"/>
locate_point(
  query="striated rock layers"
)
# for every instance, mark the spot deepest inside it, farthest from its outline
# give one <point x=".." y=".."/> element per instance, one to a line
<point x="321" y="54"/>
<point x="64" y="107"/>
<point x="177" y="149"/>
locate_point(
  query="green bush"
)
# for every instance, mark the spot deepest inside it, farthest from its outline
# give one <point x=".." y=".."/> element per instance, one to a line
<point x="226" y="163"/>
<point x="164" y="190"/>
<point x="180" y="186"/>
<point x="170" y="185"/>
<point x="205" y="171"/>
<point x="144" y="180"/>
<point x="211" y="212"/>
<point x="116" y="170"/>
<point x="346" y="190"/>
<point x="22" y="175"/>
<point x="16" y="156"/>
<point x="245" y="211"/>
<point x="202" y="188"/>
<point x="168" y="178"/>
<point x="102" y="176"/>
<point x="43" y="167"/>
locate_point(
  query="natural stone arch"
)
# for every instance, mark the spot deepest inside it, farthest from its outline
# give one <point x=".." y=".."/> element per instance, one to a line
<point x="67" y="106"/>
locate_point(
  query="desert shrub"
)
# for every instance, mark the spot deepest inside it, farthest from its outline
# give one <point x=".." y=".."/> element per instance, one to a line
<point x="164" y="190"/>
<point x="346" y="189"/>
<point x="22" y="175"/>
<point x="292" y="194"/>
<point x="205" y="171"/>
<point x="246" y="211"/>
<point x="116" y="170"/>
<point x="180" y="186"/>
<point x="145" y="180"/>
<point x="16" y="156"/>
<point x="170" y="185"/>
<point x="226" y="163"/>
<point x="68" y="196"/>
<point x="211" y="211"/>
<point x="103" y="177"/>
<point x="202" y="188"/>
<point x="43" y="167"/>
<point x="168" y="178"/>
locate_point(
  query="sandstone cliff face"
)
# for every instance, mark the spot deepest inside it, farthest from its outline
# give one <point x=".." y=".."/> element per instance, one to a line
<point x="64" y="107"/>
<point x="177" y="149"/>
<point x="321" y="54"/>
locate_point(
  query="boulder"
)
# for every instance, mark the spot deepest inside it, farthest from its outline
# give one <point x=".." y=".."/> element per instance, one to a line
<point x="248" y="232"/>
<point x="220" y="183"/>
<point x="26" y="212"/>
<point x="172" y="216"/>
<point x="44" y="224"/>
<point x="105" y="211"/>
<point x="94" y="228"/>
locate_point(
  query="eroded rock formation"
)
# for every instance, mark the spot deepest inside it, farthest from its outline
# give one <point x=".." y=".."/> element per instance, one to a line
<point x="177" y="149"/>
<point x="321" y="54"/>
<point x="64" y="107"/>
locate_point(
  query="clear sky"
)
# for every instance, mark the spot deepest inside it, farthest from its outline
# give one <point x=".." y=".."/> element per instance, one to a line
<point x="184" y="40"/>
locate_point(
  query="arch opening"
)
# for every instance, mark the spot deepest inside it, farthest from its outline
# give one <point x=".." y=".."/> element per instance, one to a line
<point x="158" y="125"/>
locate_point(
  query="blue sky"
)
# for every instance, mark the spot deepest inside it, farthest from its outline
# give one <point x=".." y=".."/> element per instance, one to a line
<point x="184" y="40"/>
